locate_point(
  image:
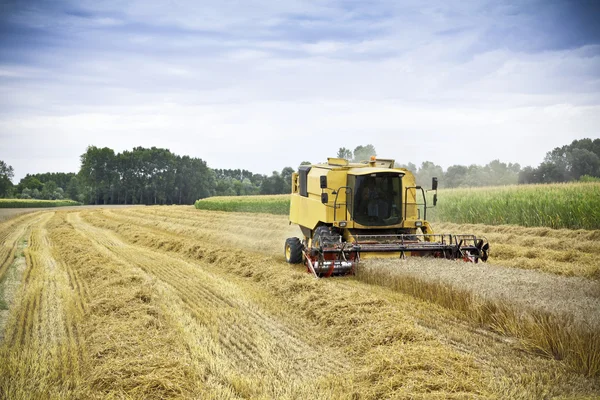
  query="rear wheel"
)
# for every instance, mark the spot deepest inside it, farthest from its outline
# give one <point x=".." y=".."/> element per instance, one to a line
<point x="293" y="251"/>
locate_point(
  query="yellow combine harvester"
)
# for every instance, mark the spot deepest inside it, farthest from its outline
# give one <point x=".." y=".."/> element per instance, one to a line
<point x="348" y="211"/>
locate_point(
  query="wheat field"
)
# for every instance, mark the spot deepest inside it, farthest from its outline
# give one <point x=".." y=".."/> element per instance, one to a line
<point x="174" y="302"/>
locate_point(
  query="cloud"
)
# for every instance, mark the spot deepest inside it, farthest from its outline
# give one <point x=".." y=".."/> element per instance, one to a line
<point x="262" y="85"/>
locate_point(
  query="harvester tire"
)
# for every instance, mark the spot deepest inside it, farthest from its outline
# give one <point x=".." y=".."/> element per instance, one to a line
<point x="293" y="251"/>
<point x="323" y="236"/>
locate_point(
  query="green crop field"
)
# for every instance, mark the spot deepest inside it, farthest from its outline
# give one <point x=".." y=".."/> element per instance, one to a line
<point x="562" y="205"/>
<point x="27" y="203"/>
<point x="269" y="204"/>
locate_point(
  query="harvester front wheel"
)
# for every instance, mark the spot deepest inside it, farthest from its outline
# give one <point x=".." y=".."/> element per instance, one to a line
<point x="323" y="236"/>
<point x="293" y="251"/>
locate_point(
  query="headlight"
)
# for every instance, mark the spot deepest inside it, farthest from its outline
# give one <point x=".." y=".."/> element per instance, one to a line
<point x="342" y="224"/>
<point x="418" y="223"/>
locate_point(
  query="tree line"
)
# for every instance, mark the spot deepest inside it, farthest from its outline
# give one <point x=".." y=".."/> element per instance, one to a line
<point x="579" y="160"/>
<point x="494" y="173"/>
<point x="158" y="176"/>
<point x="142" y="176"/>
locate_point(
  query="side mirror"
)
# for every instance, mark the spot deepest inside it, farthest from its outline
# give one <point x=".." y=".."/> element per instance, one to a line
<point x="323" y="181"/>
<point x="324" y="198"/>
<point x="435" y="199"/>
<point x="434" y="183"/>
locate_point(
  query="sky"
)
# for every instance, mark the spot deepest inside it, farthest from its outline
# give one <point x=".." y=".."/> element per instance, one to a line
<point x="262" y="85"/>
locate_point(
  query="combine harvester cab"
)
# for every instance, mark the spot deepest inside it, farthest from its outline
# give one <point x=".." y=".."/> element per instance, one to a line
<point x="348" y="211"/>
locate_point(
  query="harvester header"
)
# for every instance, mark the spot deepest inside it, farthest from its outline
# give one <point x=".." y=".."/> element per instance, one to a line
<point x="348" y="211"/>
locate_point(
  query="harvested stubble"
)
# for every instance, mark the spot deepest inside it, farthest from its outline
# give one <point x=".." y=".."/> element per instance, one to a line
<point x="558" y="339"/>
<point x="10" y="233"/>
<point x="353" y="324"/>
<point x="178" y="303"/>
<point x="86" y="328"/>
<point x="554" y="315"/>
<point x="564" y="252"/>
<point x="220" y="228"/>
<point x="558" y="251"/>
<point x="40" y="352"/>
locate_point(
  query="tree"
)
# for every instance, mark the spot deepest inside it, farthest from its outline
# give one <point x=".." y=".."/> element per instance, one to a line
<point x="58" y="194"/>
<point x="25" y="194"/>
<point x="37" y="181"/>
<point x="6" y="175"/>
<point x="455" y="176"/>
<point x="247" y="188"/>
<point x="527" y="176"/>
<point x="549" y="172"/>
<point x="410" y="166"/>
<point x="274" y="184"/>
<point x="226" y="187"/>
<point x="555" y="167"/>
<point x="200" y="181"/>
<point x="30" y="182"/>
<point x="344" y="153"/>
<point x="127" y="173"/>
<point x="427" y="171"/>
<point x="73" y="188"/>
<point x="569" y="162"/>
<point x="286" y="175"/>
<point x="364" y="153"/>
<point x="49" y="189"/>
<point x="499" y="173"/>
<point x="584" y="162"/>
<point x="98" y="170"/>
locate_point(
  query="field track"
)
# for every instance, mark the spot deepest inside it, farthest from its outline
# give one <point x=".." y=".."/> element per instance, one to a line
<point x="173" y="302"/>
